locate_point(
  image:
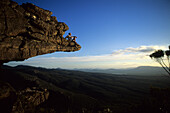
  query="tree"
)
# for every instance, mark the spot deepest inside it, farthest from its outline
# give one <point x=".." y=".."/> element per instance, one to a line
<point x="158" y="57"/>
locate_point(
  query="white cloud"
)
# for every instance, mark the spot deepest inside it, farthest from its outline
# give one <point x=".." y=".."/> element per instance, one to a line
<point x="141" y="49"/>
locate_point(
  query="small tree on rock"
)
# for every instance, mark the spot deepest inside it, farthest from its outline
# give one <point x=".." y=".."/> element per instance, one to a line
<point x="158" y="57"/>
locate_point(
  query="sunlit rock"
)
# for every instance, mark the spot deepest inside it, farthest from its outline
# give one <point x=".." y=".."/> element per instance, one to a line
<point x="27" y="31"/>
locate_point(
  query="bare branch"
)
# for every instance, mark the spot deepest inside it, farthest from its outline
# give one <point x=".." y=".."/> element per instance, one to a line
<point x="164" y="67"/>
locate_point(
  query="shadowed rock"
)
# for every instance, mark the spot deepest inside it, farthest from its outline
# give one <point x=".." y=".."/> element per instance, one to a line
<point x="27" y="31"/>
<point x="13" y="101"/>
<point x="28" y="99"/>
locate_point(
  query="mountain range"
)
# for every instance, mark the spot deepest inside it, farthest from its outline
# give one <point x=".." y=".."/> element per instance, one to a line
<point x="142" y="70"/>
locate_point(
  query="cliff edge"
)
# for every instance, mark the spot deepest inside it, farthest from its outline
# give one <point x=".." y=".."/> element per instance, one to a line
<point x="27" y="30"/>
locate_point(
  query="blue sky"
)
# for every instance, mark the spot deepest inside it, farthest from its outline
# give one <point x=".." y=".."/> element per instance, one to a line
<point x="106" y="27"/>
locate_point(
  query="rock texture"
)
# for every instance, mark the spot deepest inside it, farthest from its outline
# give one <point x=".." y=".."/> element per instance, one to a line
<point x="28" y="99"/>
<point x="7" y="97"/>
<point x="27" y="30"/>
<point x="12" y="101"/>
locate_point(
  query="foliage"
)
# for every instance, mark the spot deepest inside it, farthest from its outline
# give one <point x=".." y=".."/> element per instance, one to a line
<point x="158" y="57"/>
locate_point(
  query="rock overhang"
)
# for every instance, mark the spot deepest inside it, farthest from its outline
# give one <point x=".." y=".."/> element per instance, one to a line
<point x="27" y="30"/>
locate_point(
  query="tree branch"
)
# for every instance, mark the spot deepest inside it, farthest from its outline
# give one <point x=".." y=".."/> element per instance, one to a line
<point x="163" y="67"/>
<point x="164" y="64"/>
<point x="168" y="62"/>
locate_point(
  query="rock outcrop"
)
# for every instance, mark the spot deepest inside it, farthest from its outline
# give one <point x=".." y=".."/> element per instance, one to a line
<point x="27" y="30"/>
<point x="7" y="97"/>
<point x="12" y="101"/>
<point x="28" y="99"/>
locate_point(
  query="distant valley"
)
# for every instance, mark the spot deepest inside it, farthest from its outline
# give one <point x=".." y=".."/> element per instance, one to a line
<point x="73" y="91"/>
<point x="142" y="70"/>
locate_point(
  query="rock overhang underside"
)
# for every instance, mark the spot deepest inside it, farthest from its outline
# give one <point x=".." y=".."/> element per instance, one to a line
<point x="27" y="30"/>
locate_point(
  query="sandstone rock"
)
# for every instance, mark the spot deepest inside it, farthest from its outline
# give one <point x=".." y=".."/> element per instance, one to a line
<point x="12" y="101"/>
<point x="27" y="30"/>
<point x="29" y="98"/>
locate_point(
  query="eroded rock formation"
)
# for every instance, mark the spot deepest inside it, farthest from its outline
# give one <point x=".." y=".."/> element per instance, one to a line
<point x="13" y="101"/>
<point x="27" y="30"/>
<point x="29" y="98"/>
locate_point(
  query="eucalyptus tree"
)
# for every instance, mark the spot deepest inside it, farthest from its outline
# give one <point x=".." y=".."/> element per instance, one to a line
<point x="159" y="55"/>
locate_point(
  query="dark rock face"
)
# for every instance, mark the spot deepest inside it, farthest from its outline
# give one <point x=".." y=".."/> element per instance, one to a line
<point x="27" y="30"/>
<point x="7" y="97"/>
<point x="26" y="100"/>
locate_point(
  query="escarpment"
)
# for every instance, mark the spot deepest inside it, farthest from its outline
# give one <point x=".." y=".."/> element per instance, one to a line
<point x="27" y="30"/>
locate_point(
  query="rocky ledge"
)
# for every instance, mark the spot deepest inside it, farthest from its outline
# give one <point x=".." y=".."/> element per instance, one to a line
<point x="27" y="30"/>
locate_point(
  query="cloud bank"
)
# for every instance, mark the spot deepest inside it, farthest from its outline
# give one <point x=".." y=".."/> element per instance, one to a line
<point x="141" y="49"/>
<point x="123" y="58"/>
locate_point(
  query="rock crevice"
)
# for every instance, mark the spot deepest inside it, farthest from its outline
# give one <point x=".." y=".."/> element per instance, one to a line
<point x="27" y="30"/>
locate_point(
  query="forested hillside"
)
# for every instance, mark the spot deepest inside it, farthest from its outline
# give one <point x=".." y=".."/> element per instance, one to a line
<point x="76" y="91"/>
